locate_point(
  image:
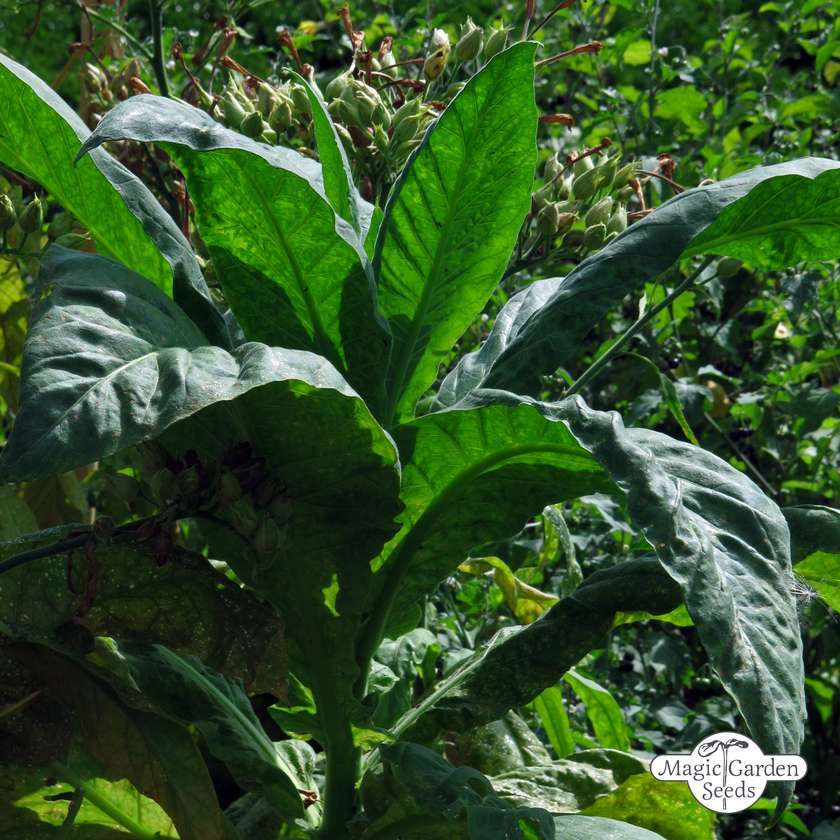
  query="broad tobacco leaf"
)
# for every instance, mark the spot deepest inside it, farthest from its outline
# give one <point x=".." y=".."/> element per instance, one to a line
<point x="452" y="220"/>
<point x="293" y="271"/>
<point x="576" y="827"/>
<point x="158" y="756"/>
<point x="783" y="221"/>
<point x="541" y="327"/>
<point x="716" y="535"/>
<point x="41" y="136"/>
<point x="602" y="709"/>
<point x="184" y="604"/>
<point x="500" y="746"/>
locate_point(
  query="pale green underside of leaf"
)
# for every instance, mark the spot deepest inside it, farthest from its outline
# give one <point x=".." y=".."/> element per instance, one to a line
<point x="574" y="827"/>
<point x="541" y="328"/>
<point x="452" y="220"/>
<point x="295" y="274"/>
<point x="782" y="221"/>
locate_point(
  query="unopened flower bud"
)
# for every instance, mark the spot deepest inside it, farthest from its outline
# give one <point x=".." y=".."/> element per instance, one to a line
<point x="7" y="213"/>
<point x="618" y="221"/>
<point x="281" y="116"/>
<point x="300" y="99"/>
<point x="548" y="219"/>
<point x="32" y="216"/>
<point x="584" y="185"/>
<point x="600" y="212"/>
<point x="594" y="236"/>
<point x="607" y="171"/>
<point x="439" y="50"/>
<point x="233" y="110"/>
<point x="388" y="63"/>
<point x="381" y="139"/>
<point x="583" y="164"/>
<point x="573" y="239"/>
<point x="470" y="42"/>
<point x="74" y="241"/>
<point x="728" y="267"/>
<point x="266" y="99"/>
<point x="336" y="87"/>
<point x="496" y="41"/>
<point x="624" y="175"/>
<point x="61" y="224"/>
<point x="553" y="168"/>
<point x="252" y="124"/>
<point x="229" y="489"/>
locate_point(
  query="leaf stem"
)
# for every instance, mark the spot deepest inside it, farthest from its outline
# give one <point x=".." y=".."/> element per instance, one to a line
<point x="158" y="65"/>
<point x="105" y="805"/>
<point x="599" y="364"/>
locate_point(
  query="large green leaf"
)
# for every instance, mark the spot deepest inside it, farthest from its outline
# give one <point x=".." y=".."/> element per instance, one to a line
<point x="158" y="756"/>
<point x="184" y="604"/>
<point x="813" y="528"/>
<point x="294" y="272"/>
<point x="575" y="827"/>
<point x="603" y="711"/>
<point x="541" y="328"/>
<point x="183" y="688"/>
<point x="470" y="477"/>
<point x="715" y="534"/>
<point x="40" y="136"/>
<point x="503" y="745"/>
<point x="452" y="219"/>
<point x="783" y="221"/>
<point x="551" y="710"/>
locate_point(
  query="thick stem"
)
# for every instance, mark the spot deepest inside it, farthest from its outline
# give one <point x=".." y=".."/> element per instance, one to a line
<point x="156" y="15"/>
<point x="599" y="364"/>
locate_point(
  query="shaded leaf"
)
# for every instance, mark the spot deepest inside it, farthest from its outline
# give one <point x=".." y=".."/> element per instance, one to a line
<point x="452" y="219"/>
<point x="501" y="746"/>
<point x="603" y="711"/>
<point x="813" y="528"/>
<point x="574" y="827"/>
<point x="551" y="710"/>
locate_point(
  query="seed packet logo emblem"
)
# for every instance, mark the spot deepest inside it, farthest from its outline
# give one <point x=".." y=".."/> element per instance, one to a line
<point x="727" y="772"/>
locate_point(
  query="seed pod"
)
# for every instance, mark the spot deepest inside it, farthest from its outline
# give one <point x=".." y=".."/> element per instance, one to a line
<point x="618" y="221"/>
<point x="607" y="171"/>
<point x="300" y="99"/>
<point x="388" y="64"/>
<point x="553" y="169"/>
<point x="573" y="239"/>
<point x="624" y="175"/>
<point x="600" y="212"/>
<point x="336" y="87"/>
<point x="728" y="267"/>
<point x="584" y="185"/>
<point x="548" y="219"/>
<point x="496" y="41"/>
<point x="470" y="42"/>
<point x="32" y="217"/>
<point x="594" y="236"/>
<point x="624" y="194"/>
<point x="541" y="198"/>
<point x="243" y="517"/>
<point x="73" y="241"/>
<point x="280" y="118"/>
<point x="229" y="489"/>
<point x="7" y="213"/>
<point x="381" y="139"/>
<point x="381" y="116"/>
<point x="565" y="222"/>
<point x="233" y="111"/>
<point x="453" y="90"/>
<point x="266" y="99"/>
<point x="406" y="129"/>
<point x="252" y="124"/>
<point x="163" y="485"/>
<point x="438" y="55"/>
<point x="268" y="537"/>
<point x="583" y="164"/>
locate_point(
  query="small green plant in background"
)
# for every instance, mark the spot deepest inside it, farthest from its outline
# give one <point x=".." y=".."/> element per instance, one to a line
<point x="292" y="479"/>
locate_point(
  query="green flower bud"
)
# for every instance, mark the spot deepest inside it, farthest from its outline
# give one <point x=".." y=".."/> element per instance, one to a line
<point x="388" y="63"/>
<point x="553" y="169"/>
<point x="541" y="198"/>
<point x="233" y="110"/>
<point x="381" y="139"/>
<point x="618" y="221"/>
<point x="300" y="99"/>
<point x="548" y="219"/>
<point x="252" y="124"/>
<point x="7" y="213"/>
<point x="32" y="217"/>
<point x="344" y="136"/>
<point x="243" y="517"/>
<point x="280" y="118"/>
<point x="607" y="171"/>
<point x="624" y="175"/>
<point x="470" y="42"/>
<point x="594" y="236"/>
<point x="269" y="135"/>
<point x="406" y="130"/>
<point x="61" y="223"/>
<point x="454" y="89"/>
<point x="381" y="116"/>
<point x="266" y="99"/>
<point x="600" y="212"/>
<point x="728" y="267"/>
<point x="408" y="110"/>
<point x="336" y="87"/>
<point x="565" y="221"/>
<point x="496" y="41"/>
<point x="610" y="237"/>
<point x="268" y="537"/>
<point x="583" y="164"/>
<point x="573" y="239"/>
<point x="584" y="185"/>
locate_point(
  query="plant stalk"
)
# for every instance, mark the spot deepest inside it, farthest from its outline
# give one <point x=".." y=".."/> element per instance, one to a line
<point x="599" y="364"/>
<point x="156" y="20"/>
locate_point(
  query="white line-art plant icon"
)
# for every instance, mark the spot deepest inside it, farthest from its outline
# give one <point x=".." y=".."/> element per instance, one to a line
<point x="727" y="772"/>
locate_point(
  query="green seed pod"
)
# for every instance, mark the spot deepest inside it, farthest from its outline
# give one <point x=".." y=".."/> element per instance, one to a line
<point x="336" y="87"/>
<point x="607" y="171"/>
<point x="496" y="41"/>
<point x="229" y="489"/>
<point x="541" y="198"/>
<point x="583" y="164"/>
<point x="406" y="129"/>
<point x="233" y="111"/>
<point x="346" y="139"/>
<point x="252" y="124"/>
<point x="584" y="185"/>
<point x="280" y="118"/>
<point x="548" y="220"/>
<point x="573" y="239"/>
<point x="32" y="217"/>
<point x="453" y="90"/>
<point x="269" y="135"/>
<point x="388" y="64"/>
<point x="268" y="537"/>
<point x="470" y="42"/>
<point x="381" y="116"/>
<point x="61" y="223"/>
<point x="266" y="99"/>
<point x="618" y="221"/>
<point x="405" y="149"/>
<point x="300" y="100"/>
<point x="594" y="236"/>
<point x="565" y="222"/>
<point x="73" y="241"/>
<point x="163" y="485"/>
<point x="553" y="169"/>
<point x="624" y="175"/>
<point x="728" y="267"/>
<point x="381" y="139"/>
<point x="7" y="213"/>
<point x="243" y="517"/>
<point x="600" y="212"/>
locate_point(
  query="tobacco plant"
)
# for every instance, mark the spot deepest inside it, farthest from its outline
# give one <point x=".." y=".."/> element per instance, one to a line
<point x="276" y="422"/>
